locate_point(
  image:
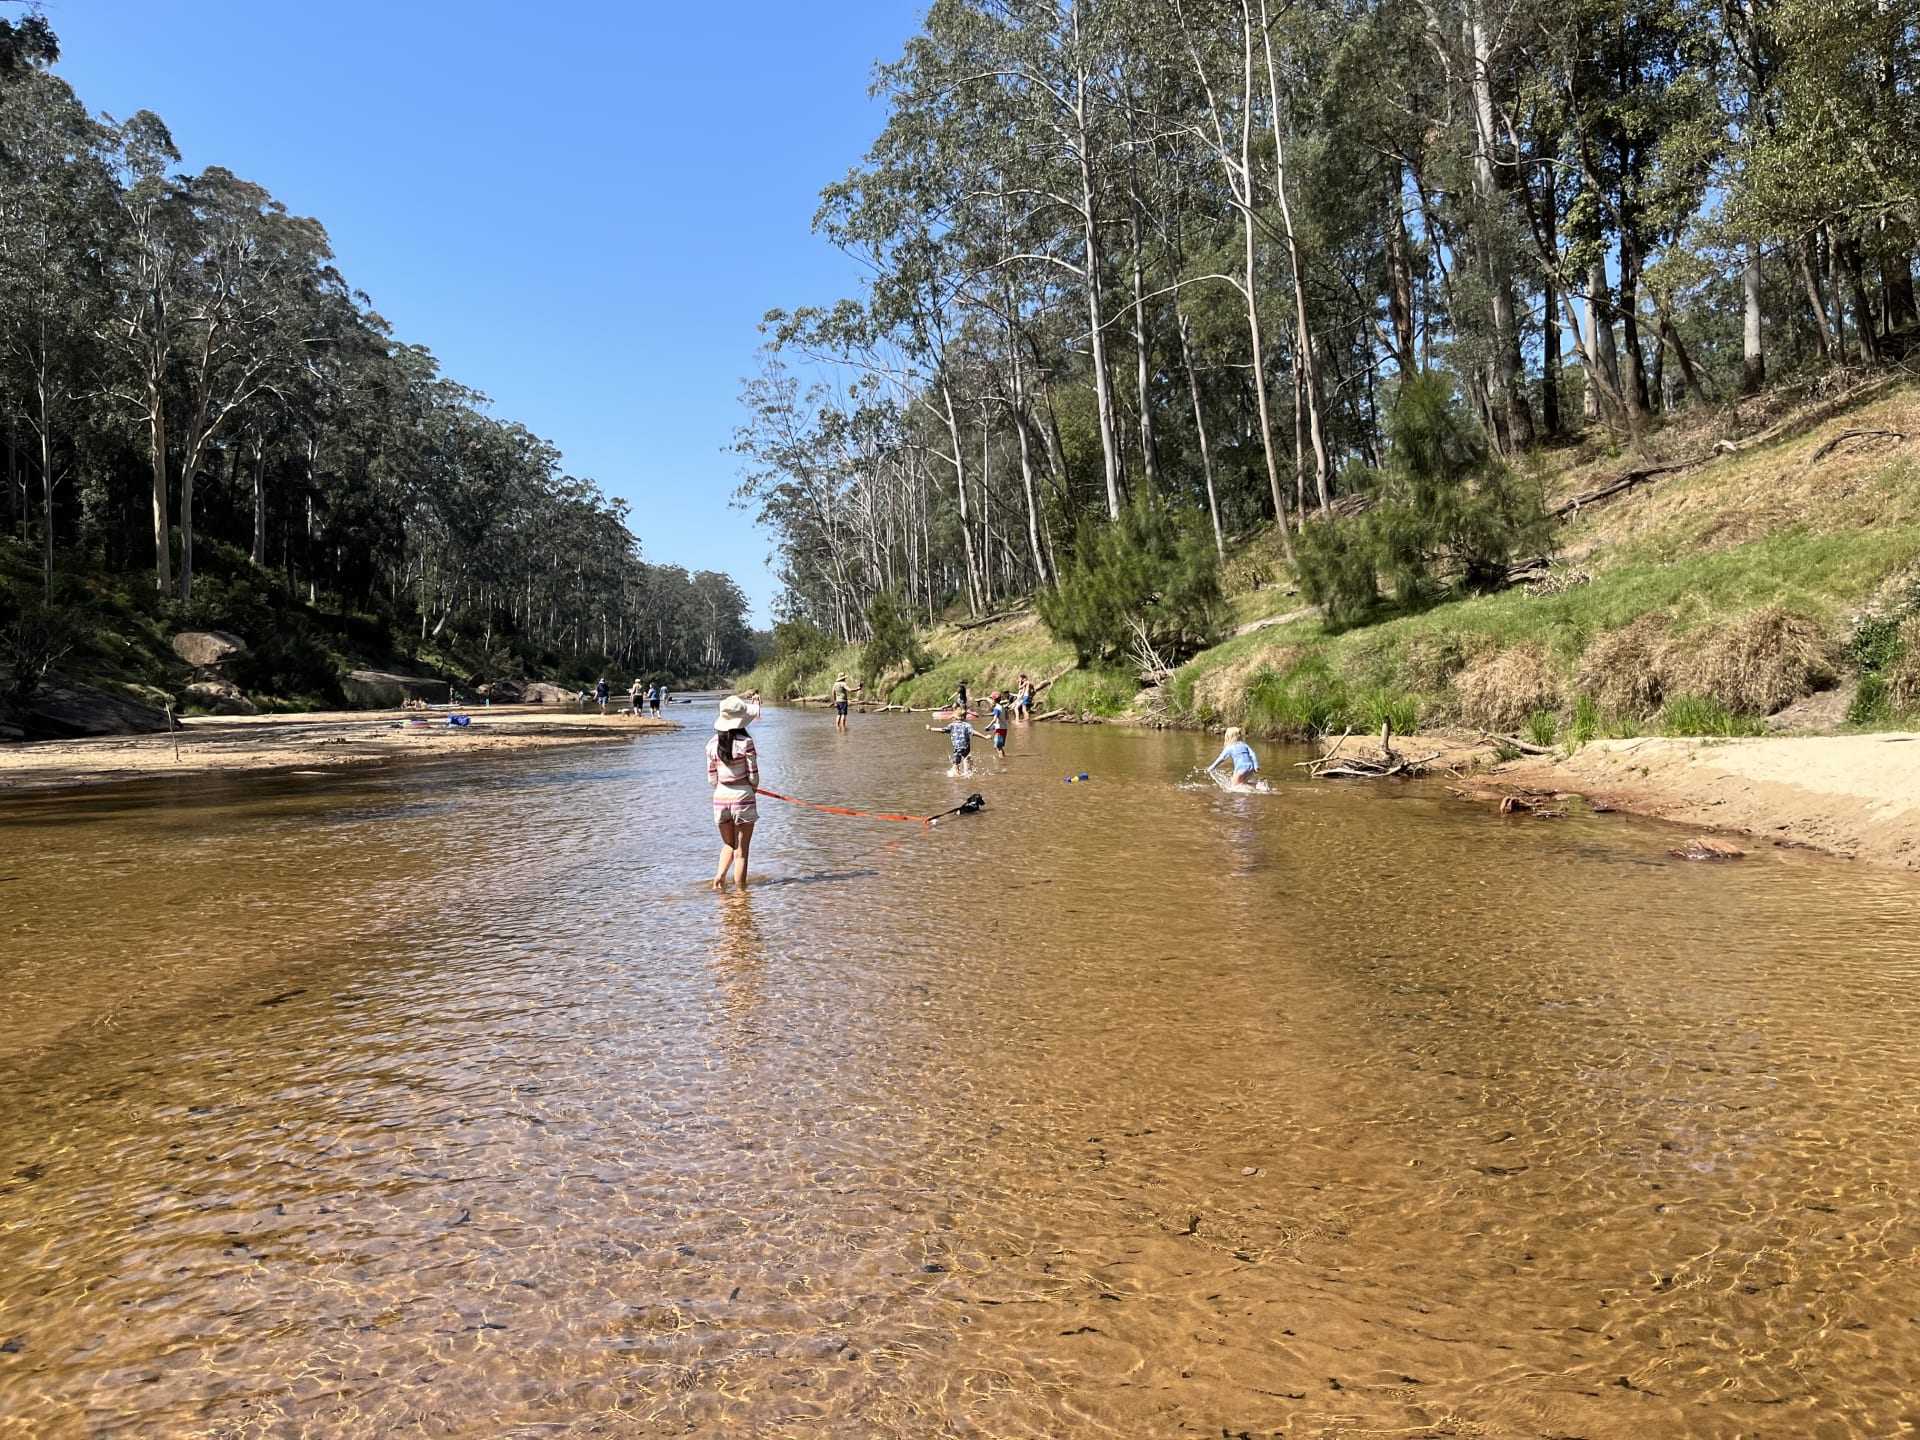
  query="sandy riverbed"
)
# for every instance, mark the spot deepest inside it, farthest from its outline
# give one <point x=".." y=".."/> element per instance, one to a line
<point x="1856" y="796"/>
<point x="226" y="744"/>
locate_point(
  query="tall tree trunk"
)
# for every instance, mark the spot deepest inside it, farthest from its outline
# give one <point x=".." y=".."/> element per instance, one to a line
<point x="1509" y="398"/>
<point x="1028" y="488"/>
<point x="1400" y="282"/>
<point x="1260" y="386"/>
<point x="46" y="481"/>
<point x="1096" y="312"/>
<point x="1303" y="326"/>
<point x="259" y="556"/>
<point x="157" y="445"/>
<point x="1753" y="348"/>
<point x="1142" y="346"/>
<point x="1810" y="277"/>
<point x="1834" y="291"/>
<point x="960" y="489"/>
<point x="1634" y="373"/>
<point x="1200" y="430"/>
<point x="1549" y="359"/>
<point x="1862" y="308"/>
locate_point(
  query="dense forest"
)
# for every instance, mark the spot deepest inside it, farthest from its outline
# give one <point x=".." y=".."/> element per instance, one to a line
<point x="199" y="411"/>
<point x="1193" y="255"/>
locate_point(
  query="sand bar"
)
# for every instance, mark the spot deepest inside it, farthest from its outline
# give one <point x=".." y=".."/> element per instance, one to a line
<point x="235" y="743"/>
<point x="1857" y="796"/>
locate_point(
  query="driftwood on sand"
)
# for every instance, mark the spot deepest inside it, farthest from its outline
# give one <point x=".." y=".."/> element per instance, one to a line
<point x="1383" y="764"/>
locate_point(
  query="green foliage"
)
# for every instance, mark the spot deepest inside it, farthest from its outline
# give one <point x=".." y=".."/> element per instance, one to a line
<point x="1872" y="703"/>
<point x="1874" y="644"/>
<point x="292" y="662"/>
<point x="894" y="641"/>
<point x="799" y="648"/>
<point x="1704" y="715"/>
<point x="1585" y="723"/>
<point x="1305" y="699"/>
<point x="1377" y="706"/>
<point x="1154" y="574"/>
<point x="1543" y="727"/>
<point x="34" y="637"/>
<point x="1095" y="690"/>
<point x="1444" y="514"/>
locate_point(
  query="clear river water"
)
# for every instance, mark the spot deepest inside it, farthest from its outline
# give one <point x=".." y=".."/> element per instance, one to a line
<point x="443" y="1100"/>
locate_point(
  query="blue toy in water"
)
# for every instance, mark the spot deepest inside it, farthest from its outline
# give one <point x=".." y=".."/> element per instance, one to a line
<point x="1081" y="776"/>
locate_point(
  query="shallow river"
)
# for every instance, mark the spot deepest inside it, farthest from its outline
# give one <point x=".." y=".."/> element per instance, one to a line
<point x="443" y="1100"/>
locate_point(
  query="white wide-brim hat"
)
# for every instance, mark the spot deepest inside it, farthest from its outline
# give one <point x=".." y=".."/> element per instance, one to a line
<point x="734" y="714"/>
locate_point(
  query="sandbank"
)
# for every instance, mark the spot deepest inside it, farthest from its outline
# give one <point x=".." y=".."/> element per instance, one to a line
<point x="311" y="741"/>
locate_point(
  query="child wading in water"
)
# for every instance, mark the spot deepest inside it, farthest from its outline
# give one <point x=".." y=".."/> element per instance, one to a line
<point x="733" y="769"/>
<point x="1245" y="766"/>
<point x="997" y="725"/>
<point x="962" y="731"/>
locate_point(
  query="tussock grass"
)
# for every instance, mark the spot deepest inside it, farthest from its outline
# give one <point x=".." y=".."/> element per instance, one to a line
<point x="1755" y="663"/>
<point x="1623" y="671"/>
<point x="1502" y="690"/>
<point x="1903" y="672"/>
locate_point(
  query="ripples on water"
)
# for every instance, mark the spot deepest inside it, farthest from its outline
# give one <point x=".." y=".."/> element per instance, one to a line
<point x="444" y="1100"/>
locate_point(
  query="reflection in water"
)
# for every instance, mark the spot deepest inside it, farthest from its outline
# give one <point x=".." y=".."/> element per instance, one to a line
<point x="447" y="1099"/>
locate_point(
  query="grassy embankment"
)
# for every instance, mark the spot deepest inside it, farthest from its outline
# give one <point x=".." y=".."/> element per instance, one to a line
<point x="1700" y="602"/>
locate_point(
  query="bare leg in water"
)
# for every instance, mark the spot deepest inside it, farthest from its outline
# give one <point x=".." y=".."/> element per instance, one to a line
<point x="730" y="839"/>
<point x="742" y="844"/>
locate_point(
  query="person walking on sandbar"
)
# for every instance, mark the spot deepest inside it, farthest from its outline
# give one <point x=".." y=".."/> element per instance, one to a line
<point x="733" y="769"/>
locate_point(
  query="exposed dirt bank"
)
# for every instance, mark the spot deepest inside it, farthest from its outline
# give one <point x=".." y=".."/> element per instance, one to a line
<point x="226" y="744"/>
<point x="1856" y="796"/>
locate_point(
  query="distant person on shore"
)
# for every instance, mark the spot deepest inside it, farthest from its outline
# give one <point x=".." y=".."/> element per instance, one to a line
<point x="634" y="692"/>
<point x="753" y="707"/>
<point x="1020" y="698"/>
<point x="1026" y="698"/>
<point x="997" y="724"/>
<point x="960" y="702"/>
<point x="660" y="697"/>
<point x="600" y="694"/>
<point x="652" y="699"/>
<point x="733" y="769"/>
<point x="841" y="696"/>
<point x="1245" y="767"/>
<point x="960" y="730"/>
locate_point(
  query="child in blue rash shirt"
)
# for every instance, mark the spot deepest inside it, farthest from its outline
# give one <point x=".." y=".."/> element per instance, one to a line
<point x="962" y="732"/>
<point x="1245" y="766"/>
<point x="997" y="725"/>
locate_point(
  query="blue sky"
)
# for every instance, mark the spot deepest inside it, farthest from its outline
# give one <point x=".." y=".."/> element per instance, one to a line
<point x="583" y="208"/>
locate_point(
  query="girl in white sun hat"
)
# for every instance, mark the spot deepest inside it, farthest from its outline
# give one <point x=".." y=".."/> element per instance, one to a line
<point x="733" y="769"/>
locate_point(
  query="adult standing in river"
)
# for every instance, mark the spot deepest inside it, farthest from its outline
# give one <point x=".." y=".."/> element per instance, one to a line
<point x="733" y="769"/>
<point x="840" y="697"/>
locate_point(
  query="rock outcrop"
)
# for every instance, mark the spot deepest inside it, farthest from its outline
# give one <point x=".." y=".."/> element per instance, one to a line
<point x="66" y="710"/>
<point x="206" y="647"/>
<point x="385" y="689"/>
<point x="541" y="693"/>
<point x="221" y="697"/>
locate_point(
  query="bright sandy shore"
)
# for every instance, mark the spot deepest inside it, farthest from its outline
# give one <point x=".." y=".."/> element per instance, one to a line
<point x="1852" y="795"/>
<point x="227" y="744"/>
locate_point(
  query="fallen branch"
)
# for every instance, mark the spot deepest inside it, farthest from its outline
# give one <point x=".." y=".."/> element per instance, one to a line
<point x="1525" y="747"/>
<point x="1570" y="508"/>
<point x="1845" y="435"/>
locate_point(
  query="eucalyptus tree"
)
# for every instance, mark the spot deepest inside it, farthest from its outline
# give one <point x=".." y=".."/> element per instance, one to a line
<point x="56" y="220"/>
<point x="243" y="314"/>
<point x="147" y="274"/>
